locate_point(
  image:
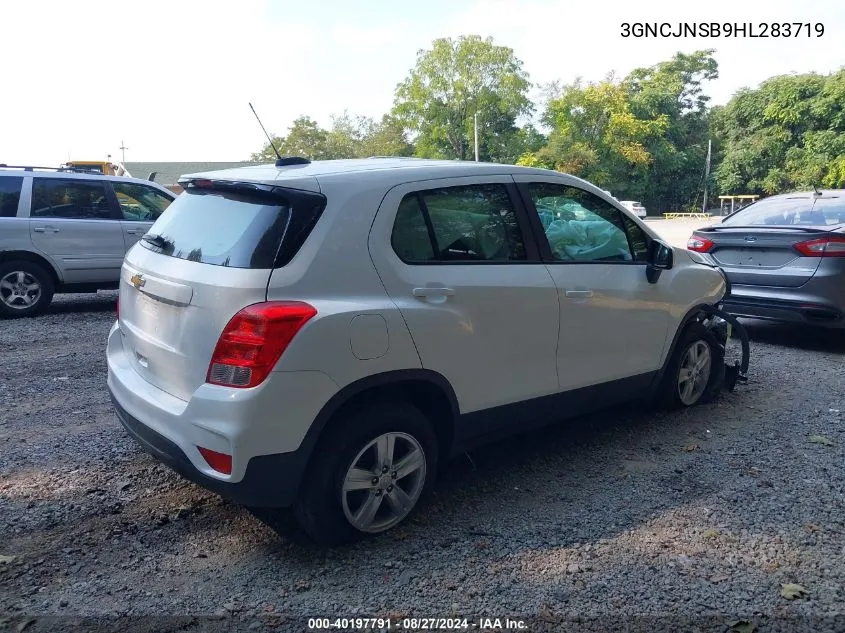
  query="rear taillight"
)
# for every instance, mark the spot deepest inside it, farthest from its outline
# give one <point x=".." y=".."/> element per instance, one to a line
<point x="699" y="244"/>
<point x="253" y="341"/>
<point x="833" y="246"/>
<point x="221" y="462"/>
<point x="117" y="307"/>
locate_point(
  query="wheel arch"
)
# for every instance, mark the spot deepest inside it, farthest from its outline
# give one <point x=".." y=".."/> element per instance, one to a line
<point x="691" y="316"/>
<point x="430" y="391"/>
<point x="35" y="258"/>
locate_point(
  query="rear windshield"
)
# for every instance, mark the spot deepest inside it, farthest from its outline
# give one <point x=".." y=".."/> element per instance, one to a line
<point x="223" y="228"/>
<point x="803" y="211"/>
<point x="10" y="195"/>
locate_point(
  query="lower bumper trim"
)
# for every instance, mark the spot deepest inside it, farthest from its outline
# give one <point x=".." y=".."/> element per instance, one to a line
<point x="270" y="481"/>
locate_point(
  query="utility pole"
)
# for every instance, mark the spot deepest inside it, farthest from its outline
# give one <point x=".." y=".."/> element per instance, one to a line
<point x="706" y="175"/>
<point x="475" y="118"/>
<point x="122" y="149"/>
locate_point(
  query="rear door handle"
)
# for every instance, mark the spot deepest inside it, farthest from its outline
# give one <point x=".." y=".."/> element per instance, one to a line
<point x="48" y="229"/>
<point x="433" y="292"/>
<point x="579" y="294"/>
<point x="133" y="231"/>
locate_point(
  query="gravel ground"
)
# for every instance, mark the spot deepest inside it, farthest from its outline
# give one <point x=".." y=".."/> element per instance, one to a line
<point x="706" y="512"/>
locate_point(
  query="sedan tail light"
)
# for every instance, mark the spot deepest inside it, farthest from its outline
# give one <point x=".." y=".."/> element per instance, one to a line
<point x="832" y="246"/>
<point x="699" y="244"/>
<point x="254" y="340"/>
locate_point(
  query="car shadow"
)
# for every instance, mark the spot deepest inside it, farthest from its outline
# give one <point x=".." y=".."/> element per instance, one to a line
<point x="814" y="339"/>
<point x="77" y="303"/>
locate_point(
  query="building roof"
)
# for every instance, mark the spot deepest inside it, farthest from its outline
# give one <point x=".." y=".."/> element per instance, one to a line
<point x="169" y="173"/>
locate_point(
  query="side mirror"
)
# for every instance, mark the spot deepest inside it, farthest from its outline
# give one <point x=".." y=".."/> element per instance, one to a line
<point x="660" y="257"/>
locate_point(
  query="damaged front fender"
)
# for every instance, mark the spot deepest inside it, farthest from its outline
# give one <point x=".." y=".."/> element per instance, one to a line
<point x="724" y="325"/>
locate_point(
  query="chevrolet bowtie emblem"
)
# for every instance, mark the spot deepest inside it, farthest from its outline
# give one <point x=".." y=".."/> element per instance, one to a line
<point x="137" y="281"/>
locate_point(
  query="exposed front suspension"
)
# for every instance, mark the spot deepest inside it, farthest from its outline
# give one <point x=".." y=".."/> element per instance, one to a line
<point x="724" y="326"/>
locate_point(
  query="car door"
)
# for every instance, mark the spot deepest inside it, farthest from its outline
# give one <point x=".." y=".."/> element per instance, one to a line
<point x="140" y="206"/>
<point x="613" y="323"/>
<point x="74" y="222"/>
<point x="481" y="307"/>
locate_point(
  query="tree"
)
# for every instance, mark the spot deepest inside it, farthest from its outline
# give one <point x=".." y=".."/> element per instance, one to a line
<point x="305" y="138"/>
<point x="789" y="133"/>
<point x="450" y="84"/>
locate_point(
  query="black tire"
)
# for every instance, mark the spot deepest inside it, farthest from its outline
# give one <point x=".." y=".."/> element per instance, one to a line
<point x="319" y="508"/>
<point x="668" y="394"/>
<point x="42" y="277"/>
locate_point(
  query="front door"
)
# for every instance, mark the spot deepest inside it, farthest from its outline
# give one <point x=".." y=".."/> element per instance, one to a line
<point x="73" y="222"/>
<point x="613" y="323"/>
<point x="481" y="307"/>
<point x="140" y="206"/>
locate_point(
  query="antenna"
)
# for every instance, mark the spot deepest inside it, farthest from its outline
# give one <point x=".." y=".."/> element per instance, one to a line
<point x="270" y="140"/>
<point x="816" y="190"/>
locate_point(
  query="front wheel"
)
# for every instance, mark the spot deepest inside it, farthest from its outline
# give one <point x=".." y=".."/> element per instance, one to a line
<point x="368" y="474"/>
<point x="695" y="370"/>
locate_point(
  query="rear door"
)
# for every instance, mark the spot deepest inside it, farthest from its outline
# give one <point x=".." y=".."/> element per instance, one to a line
<point x="755" y="246"/>
<point x="74" y="222"/>
<point x="481" y="307"/>
<point x="213" y="254"/>
<point x="140" y="206"/>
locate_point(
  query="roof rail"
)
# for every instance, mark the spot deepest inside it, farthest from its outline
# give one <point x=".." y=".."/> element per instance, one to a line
<point x="79" y="170"/>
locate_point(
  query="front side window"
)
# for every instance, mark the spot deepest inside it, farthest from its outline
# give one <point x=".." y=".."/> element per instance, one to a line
<point x="579" y="226"/>
<point x="473" y="223"/>
<point x="10" y="195"/>
<point x="139" y="202"/>
<point x="70" y="199"/>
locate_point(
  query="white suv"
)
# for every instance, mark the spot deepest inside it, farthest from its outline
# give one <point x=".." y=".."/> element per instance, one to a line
<point x="320" y="335"/>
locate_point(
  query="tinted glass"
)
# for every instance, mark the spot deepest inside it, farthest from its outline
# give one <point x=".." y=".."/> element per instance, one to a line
<point x="10" y="195"/>
<point x="221" y="228"/>
<point x="637" y="238"/>
<point x="139" y="202"/>
<point x="778" y="211"/>
<point x="411" y="239"/>
<point x="579" y="226"/>
<point x="831" y="210"/>
<point x="70" y="199"/>
<point x="474" y="223"/>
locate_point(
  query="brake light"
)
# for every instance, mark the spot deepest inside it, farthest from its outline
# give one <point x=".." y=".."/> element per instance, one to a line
<point x="833" y="246"/>
<point x="221" y="462"/>
<point x="117" y="307"/>
<point x="699" y="244"/>
<point x="254" y="340"/>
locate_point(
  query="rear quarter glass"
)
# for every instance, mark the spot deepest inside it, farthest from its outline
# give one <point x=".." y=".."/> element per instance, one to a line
<point x="233" y="228"/>
<point x="10" y="195"/>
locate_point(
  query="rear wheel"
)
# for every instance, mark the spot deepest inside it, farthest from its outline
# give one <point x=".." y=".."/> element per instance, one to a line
<point x="26" y="289"/>
<point x="695" y="371"/>
<point x="368" y="474"/>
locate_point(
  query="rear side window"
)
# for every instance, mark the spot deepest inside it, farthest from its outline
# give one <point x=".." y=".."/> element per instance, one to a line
<point x="70" y="199"/>
<point x="10" y="195"/>
<point x="233" y="228"/>
<point x="458" y="224"/>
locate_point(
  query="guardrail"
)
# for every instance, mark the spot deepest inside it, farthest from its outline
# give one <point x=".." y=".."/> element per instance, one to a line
<point x="684" y="216"/>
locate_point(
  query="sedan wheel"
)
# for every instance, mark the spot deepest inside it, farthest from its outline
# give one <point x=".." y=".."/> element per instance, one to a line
<point x="384" y="482"/>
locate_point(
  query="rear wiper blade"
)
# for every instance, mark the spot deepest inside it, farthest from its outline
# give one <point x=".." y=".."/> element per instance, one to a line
<point x="156" y="240"/>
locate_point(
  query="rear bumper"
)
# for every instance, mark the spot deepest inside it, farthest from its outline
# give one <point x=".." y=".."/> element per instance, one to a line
<point x="804" y="312"/>
<point x="269" y="480"/>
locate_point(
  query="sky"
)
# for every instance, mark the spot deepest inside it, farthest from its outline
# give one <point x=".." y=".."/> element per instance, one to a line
<point x="172" y="80"/>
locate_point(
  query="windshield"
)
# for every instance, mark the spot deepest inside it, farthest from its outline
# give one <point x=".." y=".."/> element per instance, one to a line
<point x="795" y="211"/>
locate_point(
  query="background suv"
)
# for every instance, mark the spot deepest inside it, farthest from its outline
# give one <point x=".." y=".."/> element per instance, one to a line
<point x="321" y="334"/>
<point x="635" y="207"/>
<point x="66" y="231"/>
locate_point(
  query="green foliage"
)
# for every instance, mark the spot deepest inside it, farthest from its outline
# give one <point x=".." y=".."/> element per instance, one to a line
<point x="450" y="84"/>
<point x="787" y="134"/>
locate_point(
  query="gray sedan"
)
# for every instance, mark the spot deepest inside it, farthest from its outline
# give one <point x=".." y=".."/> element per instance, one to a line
<point x="784" y="257"/>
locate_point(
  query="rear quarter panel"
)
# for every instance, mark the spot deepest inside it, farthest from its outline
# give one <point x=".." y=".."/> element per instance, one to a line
<point x="334" y="273"/>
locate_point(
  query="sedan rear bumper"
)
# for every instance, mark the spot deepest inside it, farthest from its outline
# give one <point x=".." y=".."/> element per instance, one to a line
<point x="799" y="312"/>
